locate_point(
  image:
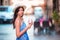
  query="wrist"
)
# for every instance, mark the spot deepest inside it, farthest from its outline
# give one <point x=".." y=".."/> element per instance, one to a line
<point x="27" y="27"/>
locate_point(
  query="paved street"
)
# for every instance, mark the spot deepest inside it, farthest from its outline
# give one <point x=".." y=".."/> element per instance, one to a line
<point x="8" y="33"/>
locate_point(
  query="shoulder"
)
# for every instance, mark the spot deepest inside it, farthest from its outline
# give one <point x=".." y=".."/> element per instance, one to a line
<point x="17" y="21"/>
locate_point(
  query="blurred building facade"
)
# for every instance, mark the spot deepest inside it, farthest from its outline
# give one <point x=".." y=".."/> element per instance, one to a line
<point x="59" y="6"/>
<point x="50" y="5"/>
<point x="5" y="2"/>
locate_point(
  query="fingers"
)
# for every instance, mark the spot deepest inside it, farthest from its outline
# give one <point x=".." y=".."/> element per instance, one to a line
<point x="30" y="21"/>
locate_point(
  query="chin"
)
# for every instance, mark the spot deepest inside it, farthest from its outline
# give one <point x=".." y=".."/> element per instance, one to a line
<point x="22" y="16"/>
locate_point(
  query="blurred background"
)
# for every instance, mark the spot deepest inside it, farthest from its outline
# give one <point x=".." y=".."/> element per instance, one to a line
<point x="44" y="13"/>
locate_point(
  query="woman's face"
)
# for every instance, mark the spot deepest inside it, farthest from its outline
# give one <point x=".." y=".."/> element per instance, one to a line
<point x="20" y="12"/>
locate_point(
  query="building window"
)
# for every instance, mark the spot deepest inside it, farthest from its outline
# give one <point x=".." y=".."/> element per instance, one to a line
<point x="1" y="2"/>
<point x="55" y="5"/>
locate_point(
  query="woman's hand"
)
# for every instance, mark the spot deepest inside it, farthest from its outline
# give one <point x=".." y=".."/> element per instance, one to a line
<point x="30" y="23"/>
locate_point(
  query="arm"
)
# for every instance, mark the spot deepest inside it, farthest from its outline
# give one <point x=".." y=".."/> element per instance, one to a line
<point x="50" y="24"/>
<point x="18" y="25"/>
<point x="41" y="22"/>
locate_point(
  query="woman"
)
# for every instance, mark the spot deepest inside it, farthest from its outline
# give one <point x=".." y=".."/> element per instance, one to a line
<point x="18" y="23"/>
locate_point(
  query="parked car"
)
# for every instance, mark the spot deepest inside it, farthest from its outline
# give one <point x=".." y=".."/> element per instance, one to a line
<point x="6" y="14"/>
